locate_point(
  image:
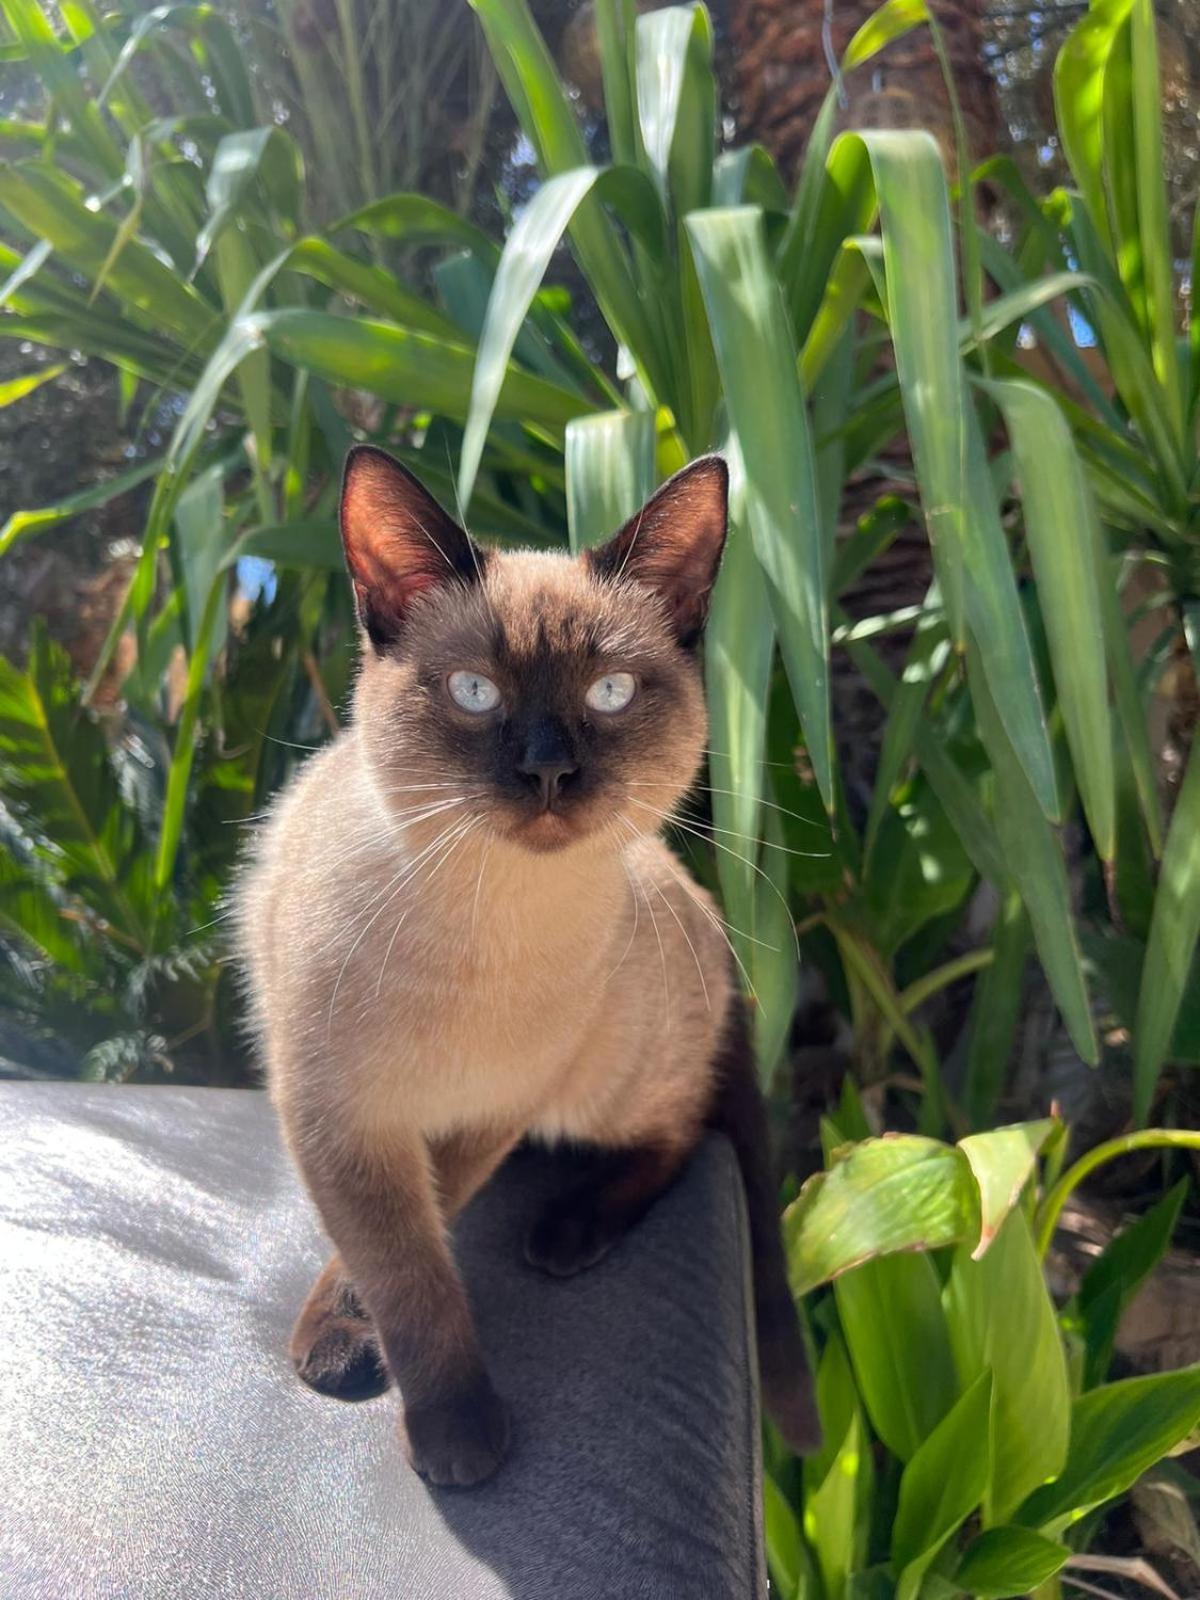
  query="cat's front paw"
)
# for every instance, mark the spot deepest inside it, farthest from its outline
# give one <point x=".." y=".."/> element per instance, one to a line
<point x="567" y="1239"/>
<point x="459" y="1439"/>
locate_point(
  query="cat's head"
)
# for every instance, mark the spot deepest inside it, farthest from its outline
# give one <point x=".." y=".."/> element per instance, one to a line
<point x="557" y="698"/>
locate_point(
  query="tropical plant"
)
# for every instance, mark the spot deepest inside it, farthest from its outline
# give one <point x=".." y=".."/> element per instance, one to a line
<point x="151" y="222"/>
<point x="973" y="1440"/>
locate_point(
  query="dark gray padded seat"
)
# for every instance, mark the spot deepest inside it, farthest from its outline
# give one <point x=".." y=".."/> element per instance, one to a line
<point x="154" y="1248"/>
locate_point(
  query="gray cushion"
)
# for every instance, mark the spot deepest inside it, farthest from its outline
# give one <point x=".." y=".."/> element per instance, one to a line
<point x="154" y="1249"/>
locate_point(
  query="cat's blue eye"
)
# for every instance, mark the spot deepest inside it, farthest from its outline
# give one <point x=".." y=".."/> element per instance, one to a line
<point x="612" y="692"/>
<point x="471" y="691"/>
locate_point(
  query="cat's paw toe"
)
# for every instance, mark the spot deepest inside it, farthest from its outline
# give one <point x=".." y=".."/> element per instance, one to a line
<point x="564" y="1242"/>
<point x="342" y="1358"/>
<point x="459" y="1440"/>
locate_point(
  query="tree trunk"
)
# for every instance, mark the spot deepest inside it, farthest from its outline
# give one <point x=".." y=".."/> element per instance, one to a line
<point x="782" y="51"/>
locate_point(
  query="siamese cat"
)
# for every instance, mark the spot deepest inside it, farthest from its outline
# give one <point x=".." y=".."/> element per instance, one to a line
<point x="462" y="930"/>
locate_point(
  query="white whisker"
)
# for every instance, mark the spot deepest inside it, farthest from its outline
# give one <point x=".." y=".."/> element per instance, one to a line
<point x="737" y="856"/>
<point x="456" y="838"/>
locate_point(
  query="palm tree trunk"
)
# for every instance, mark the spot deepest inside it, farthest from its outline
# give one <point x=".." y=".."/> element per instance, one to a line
<point x="783" y="50"/>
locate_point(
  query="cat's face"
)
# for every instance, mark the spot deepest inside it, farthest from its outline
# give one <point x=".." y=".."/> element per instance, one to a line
<point x="554" y="699"/>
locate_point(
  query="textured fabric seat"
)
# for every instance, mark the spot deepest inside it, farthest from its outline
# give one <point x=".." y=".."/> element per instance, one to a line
<point x="154" y="1442"/>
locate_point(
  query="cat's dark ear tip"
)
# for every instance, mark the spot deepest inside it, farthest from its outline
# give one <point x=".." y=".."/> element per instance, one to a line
<point x="712" y="463"/>
<point x="366" y="455"/>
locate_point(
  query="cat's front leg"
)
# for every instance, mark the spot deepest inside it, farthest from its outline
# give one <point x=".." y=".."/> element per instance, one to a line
<point x="378" y="1200"/>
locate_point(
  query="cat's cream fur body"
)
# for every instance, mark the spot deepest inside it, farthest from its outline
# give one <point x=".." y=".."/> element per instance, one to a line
<point x="460" y="930"/>
<point x="576" y="993"/>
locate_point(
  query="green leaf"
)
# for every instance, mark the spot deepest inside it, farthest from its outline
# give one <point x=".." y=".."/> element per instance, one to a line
<point x="1117" y="1431"/>
<point x="907" y="1382"/>
<point x="973" y="563"/>
<point x="415" y="219"/>
<point x="1034" y="857"/>
<point x="1001" y="1319"/>
<point x="768" y="413"/>
<point x="900" y="1192"/>
<point x="831" y="1511"/>
<point x="616" y="21"/>
<point x="200" y="539"/>
<point x="1128" y="701"/>
<point x="306" y="543"/>
<point x="55" y="769"/>
<point x="527" y="71"/>
<point x="1001" y="1162"/>
<point x="610" y="473"/>
<point x="1120" y="1270"/>
<point x="1173" y="931"/>
<point x="17" y="388"/>
<point x="954" y="791"/>
<point x="1005" y="1563"/>
<point x="1148" y="181"/>
<point x="923" y="321"/>
<point x="786" y="1556"/>
<point x="773" y="954"/>
<point x="747" y="176"/>
<point x="257" y="156"/>
<point x="401" y="364"/>
<point x="1064" y="541"/>
<point x="739" y="648"/>
<point x="183" y="755"/>
<point x="53" y="206"/>
<point x="927" y="657"/>
<point x="56" y="66"/>
<point x="942" y="1485"/>
<point x="522" y="267"/>
<point x="838" y="1481"/>
<point x="995" y="1012"/>
<point x="677" y="103"/>
<point x="891" y="21"/>
<point x="37" y="919"/>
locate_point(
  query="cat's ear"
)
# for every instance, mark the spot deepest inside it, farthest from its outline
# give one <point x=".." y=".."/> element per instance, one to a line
<point x="398" y="542"/>
<point x="673" y="545"/>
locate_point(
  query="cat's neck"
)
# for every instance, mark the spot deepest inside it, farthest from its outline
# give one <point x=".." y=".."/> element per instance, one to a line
<point x="472" y="884"/>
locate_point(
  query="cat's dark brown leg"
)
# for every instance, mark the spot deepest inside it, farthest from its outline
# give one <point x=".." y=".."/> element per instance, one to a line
<point x="578" y="1228"/>
<point x="381" y="1209"/>
<point x="334" y="1346"/>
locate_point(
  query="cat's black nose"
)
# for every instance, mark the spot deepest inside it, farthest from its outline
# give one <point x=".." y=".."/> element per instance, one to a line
<point x="549" y="778"/>
<point x="548" y="763"/>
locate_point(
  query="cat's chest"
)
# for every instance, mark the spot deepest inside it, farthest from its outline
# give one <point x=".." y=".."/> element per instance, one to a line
<point x="461" y="1042"/>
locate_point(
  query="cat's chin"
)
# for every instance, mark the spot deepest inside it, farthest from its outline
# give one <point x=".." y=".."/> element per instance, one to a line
<point x="547" y="832"/>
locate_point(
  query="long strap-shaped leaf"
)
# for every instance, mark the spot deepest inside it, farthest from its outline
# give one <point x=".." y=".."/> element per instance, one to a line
<point x="767" y="409"/>
<point x="1174" y="928"/>
<point x="57" y="68"/>
<point x="1060" y="524"/>
<point x="523" y="265"/>
<point x="1108" y="104"/>
<point x="532" y="84"/>
<point x="739" y="648"/>
<point x="54" y="208"/>
<point x="610" y="472"/>
<point x="1034" y="858"/>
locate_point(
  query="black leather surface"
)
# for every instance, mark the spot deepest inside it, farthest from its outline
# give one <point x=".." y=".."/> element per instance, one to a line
<point x="154" y="1248"/>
